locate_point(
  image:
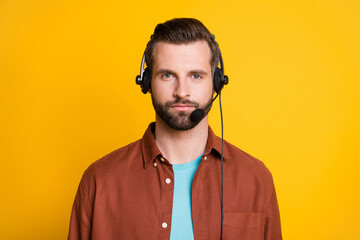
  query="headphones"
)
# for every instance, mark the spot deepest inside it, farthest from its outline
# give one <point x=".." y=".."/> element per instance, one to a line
<point x="219" y="79"/>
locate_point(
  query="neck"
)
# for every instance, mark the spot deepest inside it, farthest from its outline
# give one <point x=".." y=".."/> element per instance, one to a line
<point x="181" y="146"/>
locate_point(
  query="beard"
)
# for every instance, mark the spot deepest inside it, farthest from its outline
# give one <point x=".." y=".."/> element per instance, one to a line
<point x="178" y="120"/>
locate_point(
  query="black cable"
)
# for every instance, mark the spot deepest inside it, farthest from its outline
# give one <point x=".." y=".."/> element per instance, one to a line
<point x="222" y="169"/>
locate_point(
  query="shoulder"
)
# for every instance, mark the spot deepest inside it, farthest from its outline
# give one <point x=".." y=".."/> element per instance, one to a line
<point x="116" y="161"/>
<point x="244" y="162"/>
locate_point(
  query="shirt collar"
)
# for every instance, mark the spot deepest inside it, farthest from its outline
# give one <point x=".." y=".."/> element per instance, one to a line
<point x="150" y="151"/>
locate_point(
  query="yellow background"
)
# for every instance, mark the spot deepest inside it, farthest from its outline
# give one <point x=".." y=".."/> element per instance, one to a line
<point x="68" y="97"/>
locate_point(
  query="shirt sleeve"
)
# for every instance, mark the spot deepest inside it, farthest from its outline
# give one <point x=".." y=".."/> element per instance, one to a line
<point x="272" y="217"/>
<point x="81" y="215"/>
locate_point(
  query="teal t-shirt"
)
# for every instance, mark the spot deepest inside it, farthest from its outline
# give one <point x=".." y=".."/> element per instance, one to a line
<point x="181" y="221"/>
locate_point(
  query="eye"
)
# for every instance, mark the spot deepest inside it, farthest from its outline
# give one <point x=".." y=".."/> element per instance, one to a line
<point x="196" y="76"/>
<point x="167" y="76"/>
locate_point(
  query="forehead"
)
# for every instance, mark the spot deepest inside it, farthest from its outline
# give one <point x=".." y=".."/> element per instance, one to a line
<point x="190" y="55"/>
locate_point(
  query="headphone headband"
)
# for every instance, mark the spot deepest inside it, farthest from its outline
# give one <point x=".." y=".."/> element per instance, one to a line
<point x="139" y="78"/>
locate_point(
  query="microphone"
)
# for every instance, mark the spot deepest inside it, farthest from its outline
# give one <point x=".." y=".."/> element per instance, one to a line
<point x="198" y="114"/>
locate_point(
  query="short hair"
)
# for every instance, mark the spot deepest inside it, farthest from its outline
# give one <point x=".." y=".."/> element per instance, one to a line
<point x="182" y="31"/>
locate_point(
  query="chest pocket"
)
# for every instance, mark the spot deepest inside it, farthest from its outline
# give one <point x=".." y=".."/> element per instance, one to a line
<point x="243" y="225"/>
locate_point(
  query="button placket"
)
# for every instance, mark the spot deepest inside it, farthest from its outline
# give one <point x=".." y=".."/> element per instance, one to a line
<point x="167" y="193"/>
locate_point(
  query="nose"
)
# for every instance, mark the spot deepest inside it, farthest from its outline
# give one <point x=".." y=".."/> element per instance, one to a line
<point x="182" y="89"/>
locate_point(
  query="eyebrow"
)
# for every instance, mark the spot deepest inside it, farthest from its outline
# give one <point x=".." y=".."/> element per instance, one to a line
<point x="195" y="71"/>
<point x="161" y="71"/>
<point x="198" y="71"/>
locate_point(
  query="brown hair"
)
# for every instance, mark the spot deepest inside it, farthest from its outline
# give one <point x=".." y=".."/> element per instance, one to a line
<point x="181" y="31"/>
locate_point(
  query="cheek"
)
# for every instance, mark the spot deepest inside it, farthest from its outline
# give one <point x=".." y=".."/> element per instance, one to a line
<point x="206" y="90"/>
<point x="159" y="91"/>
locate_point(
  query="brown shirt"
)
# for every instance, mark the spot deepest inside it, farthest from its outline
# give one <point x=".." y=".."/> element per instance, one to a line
<point x="128" y="195"/>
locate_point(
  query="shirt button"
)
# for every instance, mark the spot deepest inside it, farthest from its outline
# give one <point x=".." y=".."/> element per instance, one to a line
<point x="162" y="159"/>
<point x="164" y="225"/>
<point x="155" y="164"/>
<point x="205" y="157"/>
<point x="168" y="181"/>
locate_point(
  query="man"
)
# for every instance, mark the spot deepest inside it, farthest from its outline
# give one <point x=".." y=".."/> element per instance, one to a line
<point x="168" y="184"/>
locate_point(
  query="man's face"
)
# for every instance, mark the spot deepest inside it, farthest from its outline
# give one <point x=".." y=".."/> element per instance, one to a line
<point x="181" y="82"/>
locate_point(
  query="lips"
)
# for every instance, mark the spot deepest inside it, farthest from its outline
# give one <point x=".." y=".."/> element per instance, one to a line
<point x="182" y="107"/>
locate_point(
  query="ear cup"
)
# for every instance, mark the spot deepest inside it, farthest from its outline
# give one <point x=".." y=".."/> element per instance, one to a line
<point x="146" y="81"/>
<point x="218" y="84"/>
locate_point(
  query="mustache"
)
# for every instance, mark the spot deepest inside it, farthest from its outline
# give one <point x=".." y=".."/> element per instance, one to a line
<point x="182" y="101"/>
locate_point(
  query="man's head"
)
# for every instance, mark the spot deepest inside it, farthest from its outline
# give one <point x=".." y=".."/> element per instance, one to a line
<point x="182" y="56"/>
